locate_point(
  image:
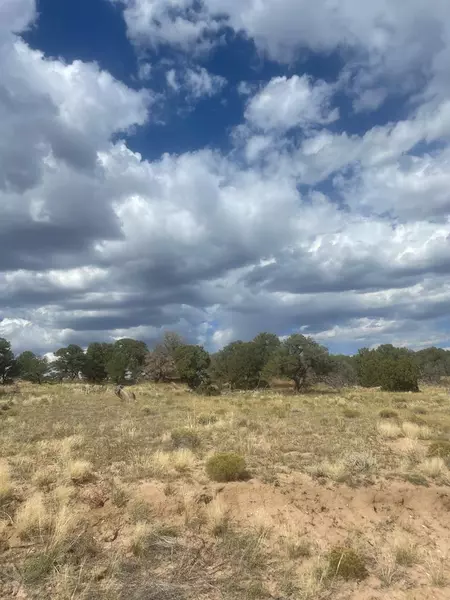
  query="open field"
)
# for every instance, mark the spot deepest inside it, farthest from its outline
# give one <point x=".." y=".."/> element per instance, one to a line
<point x="347" y="495"/>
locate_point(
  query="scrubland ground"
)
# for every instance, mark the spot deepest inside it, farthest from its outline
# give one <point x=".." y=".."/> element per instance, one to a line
<point x="348" y="495"/>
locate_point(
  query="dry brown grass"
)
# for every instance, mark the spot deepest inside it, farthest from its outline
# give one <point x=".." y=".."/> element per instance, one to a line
<point x="416" y="432"/>
<point x="33" y="517"/>
<point x="6" y="487"/>
<point x="388" y="430"/>
<point x="433" y="467"/>
<point x="80" y="471"/>
<point x="159" y="528"/>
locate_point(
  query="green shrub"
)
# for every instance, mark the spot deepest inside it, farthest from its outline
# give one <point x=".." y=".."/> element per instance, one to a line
<point x="37" y="567"/>
<point x="346" y="563"/>
<point x="393" y="369"/>
<point x="185" y="438"/>
<point x="387" y="413"/>
<point x="351" y="413"/>
<point x="399" y="375"/>
<point x="207" y="419"/>
<point x="226" y="466"/>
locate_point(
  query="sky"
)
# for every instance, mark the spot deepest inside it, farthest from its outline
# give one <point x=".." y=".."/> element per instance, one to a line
<point x="222" y="168"/>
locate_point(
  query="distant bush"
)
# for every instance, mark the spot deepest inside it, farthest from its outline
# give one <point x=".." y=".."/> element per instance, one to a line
<point x="387" y="413"/>
<point x="226" y="466"/>
<point x="207" y="419"/>
<point x="351" y="413"/>
<point x="346" y="563"/>
<point x="185" y="438"/>
<point x="399" y="375"/>
<point x="207" y="389"/>
<point x="393" y="369"/>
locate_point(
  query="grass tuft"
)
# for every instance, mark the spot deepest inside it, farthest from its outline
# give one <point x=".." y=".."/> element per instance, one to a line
<point x="346" y="563"/>
<point x="80" y="471"/>
<point x="388" y="413"/>
<point x="389" y="431"/>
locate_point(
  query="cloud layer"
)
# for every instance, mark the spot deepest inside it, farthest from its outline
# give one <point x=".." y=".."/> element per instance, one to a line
<point x="304" y="225"/>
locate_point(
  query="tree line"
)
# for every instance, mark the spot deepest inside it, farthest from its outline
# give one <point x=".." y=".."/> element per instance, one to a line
<point x="238" y="366"/>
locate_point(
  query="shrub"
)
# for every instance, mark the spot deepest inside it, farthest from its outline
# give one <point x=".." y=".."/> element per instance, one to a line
<point x="346" y="563"/>
<point x="394" y="369"/>
<point x="37" y="567"/>
<point x="207" y="389"/>
<point x="226" y="466"/>
<point x="192" y="363"/>
<point x="387" y="413"/>
<point x="351" y="413"/>
<point x="400" y="375"/>
<point x="207" y="419"/>
<point x="416" y="420"/>
<point x="185" y="438"/>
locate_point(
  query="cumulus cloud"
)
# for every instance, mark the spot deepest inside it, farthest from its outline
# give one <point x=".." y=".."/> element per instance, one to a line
<point x="342" y="235"/>
<point x="194" y="83"/>
<point x="295" y="102"/>
<point x="181" y="23"/>
<point x="386" y="43"/>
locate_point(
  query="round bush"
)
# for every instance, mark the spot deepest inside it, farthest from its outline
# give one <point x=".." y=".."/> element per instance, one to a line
<point x="346" y="563"/>
<point x="387" y="413"/>
<point x="226" y="466"/>
<point x="185" y="438"/>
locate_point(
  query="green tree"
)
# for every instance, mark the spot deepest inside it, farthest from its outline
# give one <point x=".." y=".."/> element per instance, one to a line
<point x="126" y="359"/>
<point x="368" y="366"/>
<point x="192" y="364"/>
<point x="8" y="365"/>
<point x="97" y="357"/>
<point x="31" y="367"/>
<point x="300" y="359"/>
<point x="388" y="367"/>
<point x="241" y="364"/>
<point x="238" y="365"/>
<point x="399" y="374"/>
<point x="434" y="363"/>
<point x="343" y="371"/>
<point x="70" y="362"/>
<point x="265" y="345"/>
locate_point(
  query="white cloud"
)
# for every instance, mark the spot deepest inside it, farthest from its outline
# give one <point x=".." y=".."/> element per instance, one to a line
<point x="389" y="43"/>
<point x="182" y="23"/>
<point x="16" y="15"/>
<point x="99" y="243"/>
<point x="411" y="188"/>
<point x="370" y="100"/>
<point x="296" y="102"/>
<point x="195" y="83"/>
<point x="24" y="334"/>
